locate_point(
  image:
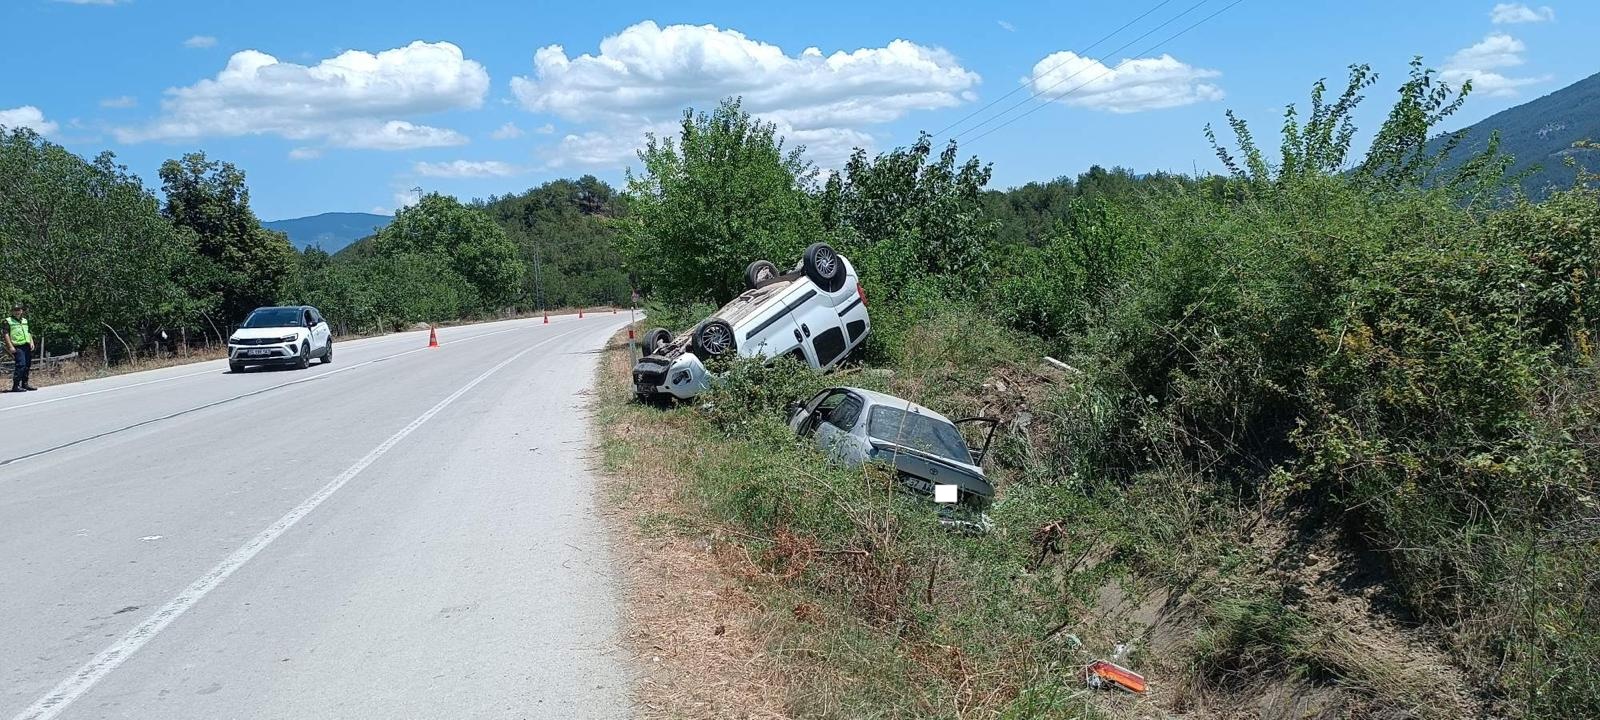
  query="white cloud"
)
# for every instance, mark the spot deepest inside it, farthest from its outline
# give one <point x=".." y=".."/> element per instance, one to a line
<point x="507" y="131"/>
<point x="1008" y="27"/>
<point x="646" y="75"/>
<point x="467" y="169"/>
<point x="125" y="101"/>
<point x="200" y="41"/>
<point x="1131" y="86"/>
<point x="305" y="153"/>
<point x="545" y="129"/>
<point x="28" y="116"/>
<point x="650" y="72"/>
<point x="395" y="135"/>
<point x="349" y="100"/>
<point x="1480" y="61"/>
<point x="827" y="147"/>
<point x="1513" y="13"/>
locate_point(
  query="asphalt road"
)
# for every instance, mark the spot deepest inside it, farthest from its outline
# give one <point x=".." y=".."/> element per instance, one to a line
<point x="405" y="533"/>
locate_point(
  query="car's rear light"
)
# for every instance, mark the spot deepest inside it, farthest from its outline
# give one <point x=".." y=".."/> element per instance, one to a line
<point x="862" y="293"/>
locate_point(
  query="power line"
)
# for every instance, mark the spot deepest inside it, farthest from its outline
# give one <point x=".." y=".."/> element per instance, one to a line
<point x="1100" y="61"/>
<point x="1034" y="77"/>
<point x="1151" y="49"/>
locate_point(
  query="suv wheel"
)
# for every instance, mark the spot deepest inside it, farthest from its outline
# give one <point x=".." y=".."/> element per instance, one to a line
<point x="822" y="264"/>
<point x="327" y="353"/>
<point x="759" y="272"/>
<point x="714" y="338"/>
<point x="654" y="339"/>
<point x="235" y="367"/>
<point x="304" y="361"/>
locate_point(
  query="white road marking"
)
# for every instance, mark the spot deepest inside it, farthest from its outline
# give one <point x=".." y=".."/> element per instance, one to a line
<point x="130" y="386"/>
<point x="9" y="408"/>
<point x="72" y="688"/>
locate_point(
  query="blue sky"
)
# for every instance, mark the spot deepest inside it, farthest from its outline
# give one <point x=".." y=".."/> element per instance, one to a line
<point x="345" y="106"/>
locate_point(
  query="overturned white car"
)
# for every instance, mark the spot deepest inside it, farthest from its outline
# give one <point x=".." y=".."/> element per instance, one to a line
<point x="815" y="313"/>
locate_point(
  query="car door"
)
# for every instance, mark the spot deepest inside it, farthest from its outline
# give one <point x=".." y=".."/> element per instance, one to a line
<point x="308" y="320"/>
<point x="821" y="333"/>
<point x="323" y="332"/>
<point x="833" y="432"/>
<point x="773" y="332"/>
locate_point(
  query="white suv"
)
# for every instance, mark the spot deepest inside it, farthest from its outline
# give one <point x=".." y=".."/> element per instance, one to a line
<point x="280" y="336"/>
<point x="815" y="313"/>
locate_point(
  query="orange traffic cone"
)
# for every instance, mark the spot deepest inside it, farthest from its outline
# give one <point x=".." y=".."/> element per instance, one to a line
<point x="433" y="337"/>
<point x="547" y="317"/>
<point x="580" y="313"/>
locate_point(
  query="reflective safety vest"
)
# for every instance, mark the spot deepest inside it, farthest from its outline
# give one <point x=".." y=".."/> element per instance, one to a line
<point x="18" y="330"/>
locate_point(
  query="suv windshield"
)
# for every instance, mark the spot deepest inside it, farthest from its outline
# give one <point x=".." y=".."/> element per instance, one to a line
<point x="273" y="317"/>
<point x="918" y="432"/>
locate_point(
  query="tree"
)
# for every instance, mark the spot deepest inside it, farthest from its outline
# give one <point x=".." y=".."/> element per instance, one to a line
<point x="725" y="193"/>
<point x="249" y="263"/>
<point x="566" y="234"/>
<point x="465" y="238"/>
<point x="85" y="244"/>
<point x="1400" y="157"/>
<point x="909" y="218"/>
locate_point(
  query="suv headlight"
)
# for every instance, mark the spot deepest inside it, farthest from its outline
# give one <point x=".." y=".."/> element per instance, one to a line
<point x="289" y="338"/>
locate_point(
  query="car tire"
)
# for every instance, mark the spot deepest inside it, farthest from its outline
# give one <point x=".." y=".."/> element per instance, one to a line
<point x="714" y="338"/>
<point x="234" y="367"/>
<point x="759" y="272"/>
<point x="822" y="264"/>
<point x="304" y="361"/>
<point x="654" y="339"/>
<point x="327" y="354"/>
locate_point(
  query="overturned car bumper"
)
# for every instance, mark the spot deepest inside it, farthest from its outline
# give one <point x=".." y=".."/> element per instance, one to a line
<point x="682" y="377"/>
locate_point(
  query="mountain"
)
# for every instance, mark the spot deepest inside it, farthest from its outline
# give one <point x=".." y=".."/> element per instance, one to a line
<point x="330" y="231"/>
<point x="1539" y="134"/>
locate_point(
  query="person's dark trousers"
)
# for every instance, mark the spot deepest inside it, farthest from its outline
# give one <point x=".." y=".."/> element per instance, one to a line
<point x="19" y="373"/>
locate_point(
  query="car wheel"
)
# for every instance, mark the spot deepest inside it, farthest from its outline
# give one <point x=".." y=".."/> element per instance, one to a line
<point x="304" y="361"/>
<point x="235" y="367"/>
<point x="759" y="272"/>
<point x="714" y="338"/>
<point x="822" y="264"/>
<point x="327" y="354"/>
<point x="654" y="339"/>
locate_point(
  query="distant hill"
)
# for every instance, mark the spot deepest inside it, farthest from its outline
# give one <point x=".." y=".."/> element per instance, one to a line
<point x="1541" y="133"/>
<point x="329" y="231"/>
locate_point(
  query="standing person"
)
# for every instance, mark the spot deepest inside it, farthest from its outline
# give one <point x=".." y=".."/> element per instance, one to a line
<point x="22" y="345"/>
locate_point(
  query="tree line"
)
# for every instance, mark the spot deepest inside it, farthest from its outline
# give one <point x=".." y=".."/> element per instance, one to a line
<point x="105" y="261"/>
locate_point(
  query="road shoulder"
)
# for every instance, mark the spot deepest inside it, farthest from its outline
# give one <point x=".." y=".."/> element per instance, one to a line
<point x="691" y="618"/>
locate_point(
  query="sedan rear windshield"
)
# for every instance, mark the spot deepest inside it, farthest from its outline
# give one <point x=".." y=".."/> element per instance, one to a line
<point x="918" y="432"/>
<point x="274" y="317"/>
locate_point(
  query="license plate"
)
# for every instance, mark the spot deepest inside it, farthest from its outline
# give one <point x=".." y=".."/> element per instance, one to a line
<point x="917" y="485"/>
<point x="255" y="353"/>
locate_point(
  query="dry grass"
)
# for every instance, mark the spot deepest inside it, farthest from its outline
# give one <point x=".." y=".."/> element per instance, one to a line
<point x="693" y="620"/>
<point x="79" y="369"/>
